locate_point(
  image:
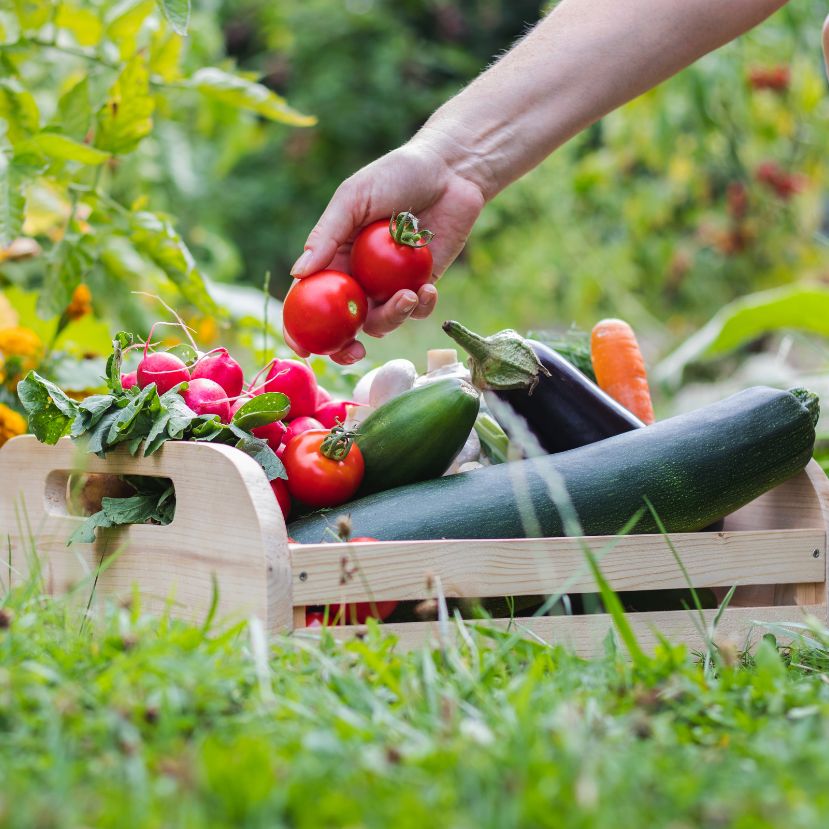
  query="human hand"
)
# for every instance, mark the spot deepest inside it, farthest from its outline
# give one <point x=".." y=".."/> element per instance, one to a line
<point x="415" y="177"/>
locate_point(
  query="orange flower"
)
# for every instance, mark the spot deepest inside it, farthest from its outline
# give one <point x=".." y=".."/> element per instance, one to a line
<point x="11" y="423"/>
<point x="81" y="303"/>
<point x="21" y="348"/>
<point x="207" y="331"/>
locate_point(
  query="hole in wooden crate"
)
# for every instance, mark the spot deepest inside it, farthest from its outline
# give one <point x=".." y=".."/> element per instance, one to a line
<point x="82" y="493"/>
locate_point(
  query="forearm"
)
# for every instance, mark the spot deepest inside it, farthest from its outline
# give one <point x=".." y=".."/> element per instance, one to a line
<point x="583" y="60"/>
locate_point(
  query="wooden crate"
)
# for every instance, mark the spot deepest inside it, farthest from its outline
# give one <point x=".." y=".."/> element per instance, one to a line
<point x="228" y="530"/>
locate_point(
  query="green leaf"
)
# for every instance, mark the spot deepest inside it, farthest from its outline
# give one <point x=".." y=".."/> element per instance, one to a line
<point x="74" y="113"/>
<point x="69" y="261"/>
<point x="122" y="340"/>
<point x="53" y="145"/>
<point x="98" y="434"/>
<point x="185" y="352"/>
<point x="123" y="262"/>
<point x="77" y="373"/>
<point x="263" y="409"/>
<point x="171" y="423"/>
<point x="242" y="93"/>
<point x="84" y="24"/>
<point x="90" y="412"/>
<point x="124" y="22"/>
<point x="181" y="415"/>
<point x="9" y="28"/>
<point x="165" y="56"/>
<point x="19" y="110"/>
<point x="12" y="201"/>
<point x="155" y="238"/>
<point x="50" y="411"/>
<point x="134" y="509"/>
<point x="126" y="117"/>
<point x="178" y="13"/>
<point x="797" y="307"/>
<point x="32" y="14"/>
<point x="136" y="417"/>
<point x="259" y="450"/>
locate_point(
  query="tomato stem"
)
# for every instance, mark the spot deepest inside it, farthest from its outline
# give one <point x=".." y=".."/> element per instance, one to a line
<point x="337" y="444"/>
<point x="404" y="229"/>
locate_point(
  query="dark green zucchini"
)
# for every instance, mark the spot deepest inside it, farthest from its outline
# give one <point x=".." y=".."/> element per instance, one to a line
<point x="416" y="435"/>
<point x="694" y="469"/>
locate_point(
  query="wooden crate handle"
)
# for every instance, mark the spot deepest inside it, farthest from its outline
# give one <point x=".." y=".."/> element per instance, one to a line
<point x="227" y="530"/>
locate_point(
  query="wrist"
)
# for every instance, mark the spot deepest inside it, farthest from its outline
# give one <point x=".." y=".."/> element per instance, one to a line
<point x="456" y="149"/>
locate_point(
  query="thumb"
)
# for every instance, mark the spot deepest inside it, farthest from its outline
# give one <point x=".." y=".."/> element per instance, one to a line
<point x="334" y="228"/>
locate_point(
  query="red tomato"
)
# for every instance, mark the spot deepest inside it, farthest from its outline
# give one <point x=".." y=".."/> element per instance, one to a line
<point x="323" y="313"/>
<point x="324" y="468"/>
<point x="388" y="257"/>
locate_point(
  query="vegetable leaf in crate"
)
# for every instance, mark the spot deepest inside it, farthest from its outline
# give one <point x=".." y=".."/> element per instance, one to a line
<point x="152" y="502"/>
<point x="50" y="411"/>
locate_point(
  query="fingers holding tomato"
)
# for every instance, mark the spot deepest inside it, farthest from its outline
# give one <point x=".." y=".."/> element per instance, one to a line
<point x="391" y="275"/>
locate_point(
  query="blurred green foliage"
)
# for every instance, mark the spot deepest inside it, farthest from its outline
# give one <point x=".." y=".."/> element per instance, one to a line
<point x="701" y="191"/>
<point x="705" y="189"/>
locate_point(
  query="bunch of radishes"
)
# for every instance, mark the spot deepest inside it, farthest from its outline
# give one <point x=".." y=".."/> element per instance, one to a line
<point x="216" y="386"/>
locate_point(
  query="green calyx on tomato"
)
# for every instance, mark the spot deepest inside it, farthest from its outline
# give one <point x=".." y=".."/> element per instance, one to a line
<point x="317" y="479"/>
<point x="337" y="444"/>
<point x="404" y="229"/>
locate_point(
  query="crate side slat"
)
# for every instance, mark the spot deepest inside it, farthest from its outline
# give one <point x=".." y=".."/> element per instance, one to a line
<point x="227" y="530"/>
<point x="586" y="635"/>
<point x="519" y="567"/>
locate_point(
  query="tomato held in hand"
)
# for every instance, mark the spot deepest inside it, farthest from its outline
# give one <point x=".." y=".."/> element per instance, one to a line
<point x="323" y="313"/>
<point x="324" y="468"/>
<point x="387" y="258"/>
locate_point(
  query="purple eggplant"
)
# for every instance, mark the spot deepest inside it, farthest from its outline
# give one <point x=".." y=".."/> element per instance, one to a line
<point x="531" y="387"/>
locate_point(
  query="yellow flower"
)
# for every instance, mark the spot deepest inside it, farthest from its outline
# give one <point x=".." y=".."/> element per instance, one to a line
<point x="207" y="331"/>
<point x="18" y="341"/>
<point x="81" y="303"/>
<point x="11" y="423"/>
<point x="21" y="349"/>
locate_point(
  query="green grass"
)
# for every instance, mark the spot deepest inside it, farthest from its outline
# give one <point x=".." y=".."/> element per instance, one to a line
<point x="127" y="720"/>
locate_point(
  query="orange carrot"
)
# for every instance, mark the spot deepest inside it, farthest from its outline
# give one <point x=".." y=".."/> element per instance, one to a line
<point x="619" y="367"/>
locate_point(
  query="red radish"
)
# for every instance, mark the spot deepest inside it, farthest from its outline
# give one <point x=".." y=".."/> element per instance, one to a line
<point x="128" y="380"/>
<point x="219" y="366"/>
<point x="299" y="425"/>
<point x="274" y="433"/>
<point x="280" y="451"/>
<point x="206" y="397"/>
<point x="271" y="432"/>
<point x="164" y="369"/>
<point x="283" y="497"/>
<point x="297" y="381"/>
<point x="332" y="412"/>
<point x="323" y="396"/>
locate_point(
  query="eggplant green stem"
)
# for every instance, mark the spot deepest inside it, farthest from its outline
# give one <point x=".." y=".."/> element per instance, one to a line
<point x="500" y="362"/>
